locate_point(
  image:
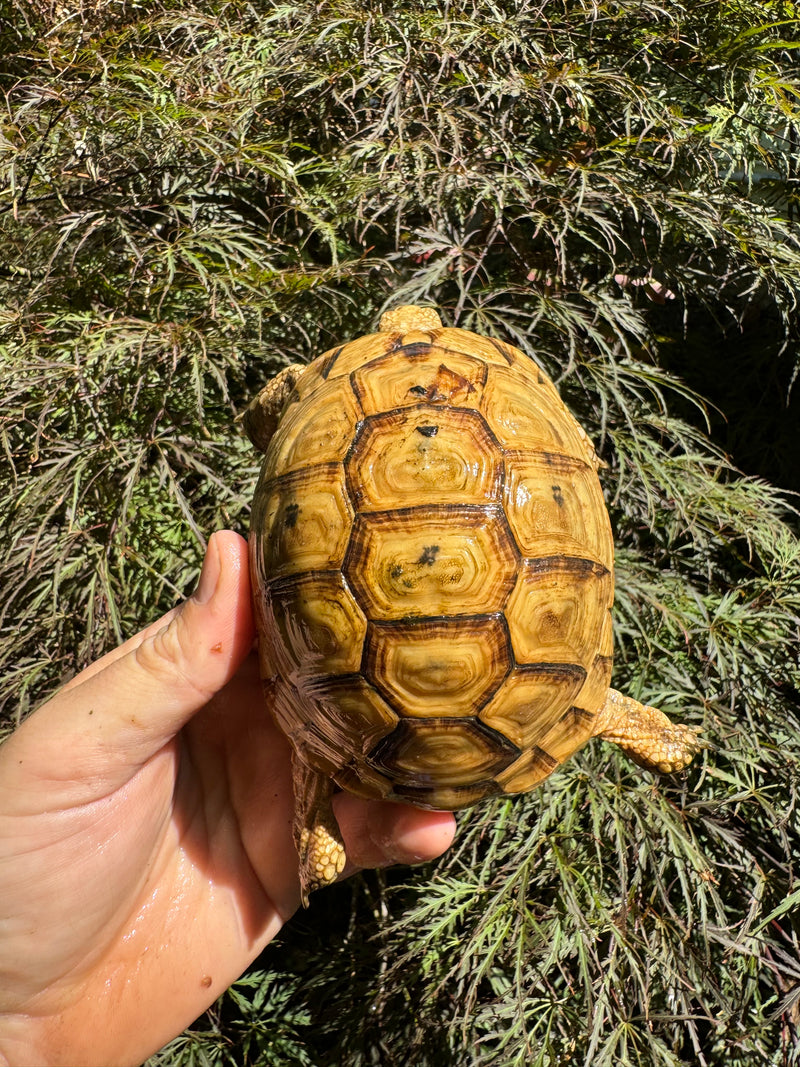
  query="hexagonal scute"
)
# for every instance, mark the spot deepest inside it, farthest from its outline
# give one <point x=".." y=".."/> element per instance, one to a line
<point x="424" y="455"/>
<point x="350" y="715"/>
<point x="557" y="610"/>
<point x="525" y="773"/>
<point x="318" y="430"/>
<point x="555" y="506"/>
<point x="442" y="752"/>
<point x="438" y="667"/>
<point x="531" y="700"/>
<point x="431" y="561"/>
<point x="314" y="626"/>
<point x="301" y="522"/>
<point x="525" y="412"/>
<point x="408" y="377"/>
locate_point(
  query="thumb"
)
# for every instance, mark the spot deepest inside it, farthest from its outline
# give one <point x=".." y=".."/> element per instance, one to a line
<point x="117" y="713"/>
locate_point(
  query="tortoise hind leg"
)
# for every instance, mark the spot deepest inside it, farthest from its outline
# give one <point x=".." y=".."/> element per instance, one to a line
<point x="646" y="735"/>
<point x="316" y="832"/>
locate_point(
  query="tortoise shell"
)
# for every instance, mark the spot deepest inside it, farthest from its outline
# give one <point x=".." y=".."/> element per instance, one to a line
<point x="433" y="564"/>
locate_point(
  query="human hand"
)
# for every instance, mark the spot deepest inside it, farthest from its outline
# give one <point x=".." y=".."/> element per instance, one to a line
<point x="146" y="852"/>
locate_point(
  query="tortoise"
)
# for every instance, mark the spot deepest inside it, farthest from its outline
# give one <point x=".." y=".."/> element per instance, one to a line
<point x="432" y="565"/>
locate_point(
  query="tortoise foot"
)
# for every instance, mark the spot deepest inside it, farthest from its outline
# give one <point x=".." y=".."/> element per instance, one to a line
<point x="322" y="859"/>
<point x="316" y="833"/>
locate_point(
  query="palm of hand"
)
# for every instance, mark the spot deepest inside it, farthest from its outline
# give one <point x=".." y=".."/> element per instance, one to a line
<point x="151" y="885"/>
<point x="146" y="854"/>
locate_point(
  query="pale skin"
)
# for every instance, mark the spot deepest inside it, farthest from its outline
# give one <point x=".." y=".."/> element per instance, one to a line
<point x="146" y="852"/>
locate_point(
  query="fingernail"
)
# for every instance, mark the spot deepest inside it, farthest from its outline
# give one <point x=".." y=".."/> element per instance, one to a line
<point x="209" y="575"/>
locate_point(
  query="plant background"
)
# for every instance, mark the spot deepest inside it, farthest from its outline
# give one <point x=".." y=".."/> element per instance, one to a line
<point x="193" y="193"/>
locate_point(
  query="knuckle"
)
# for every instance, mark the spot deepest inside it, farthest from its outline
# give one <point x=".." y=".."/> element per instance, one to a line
<point x="169" y="656"/>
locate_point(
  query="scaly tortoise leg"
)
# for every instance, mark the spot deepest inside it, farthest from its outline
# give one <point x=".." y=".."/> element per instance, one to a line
<point x="646" y="735"/>
<point x="316" y="832"/>
<point x="261" y="416"/>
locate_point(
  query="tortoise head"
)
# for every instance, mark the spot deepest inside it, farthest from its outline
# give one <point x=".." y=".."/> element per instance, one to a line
<point x="409" y="317"/>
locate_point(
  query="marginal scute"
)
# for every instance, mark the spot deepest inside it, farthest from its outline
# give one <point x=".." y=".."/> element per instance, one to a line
<point x="363" y="781"/>
<point x="526" y="772"/>
<point x="573" y="730"/>
<point x="441" y="797"/>
<point x="354" y="717"/>
<point x="294" y="714"/>
<point x="595" y="688"/>
<point x="606" y="643"/>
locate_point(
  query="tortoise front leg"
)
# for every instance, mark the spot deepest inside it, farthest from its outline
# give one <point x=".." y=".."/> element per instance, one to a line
<point x="260" y="418"/>
<point x="646" y="734"/>
<point x="316" y="832"/>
